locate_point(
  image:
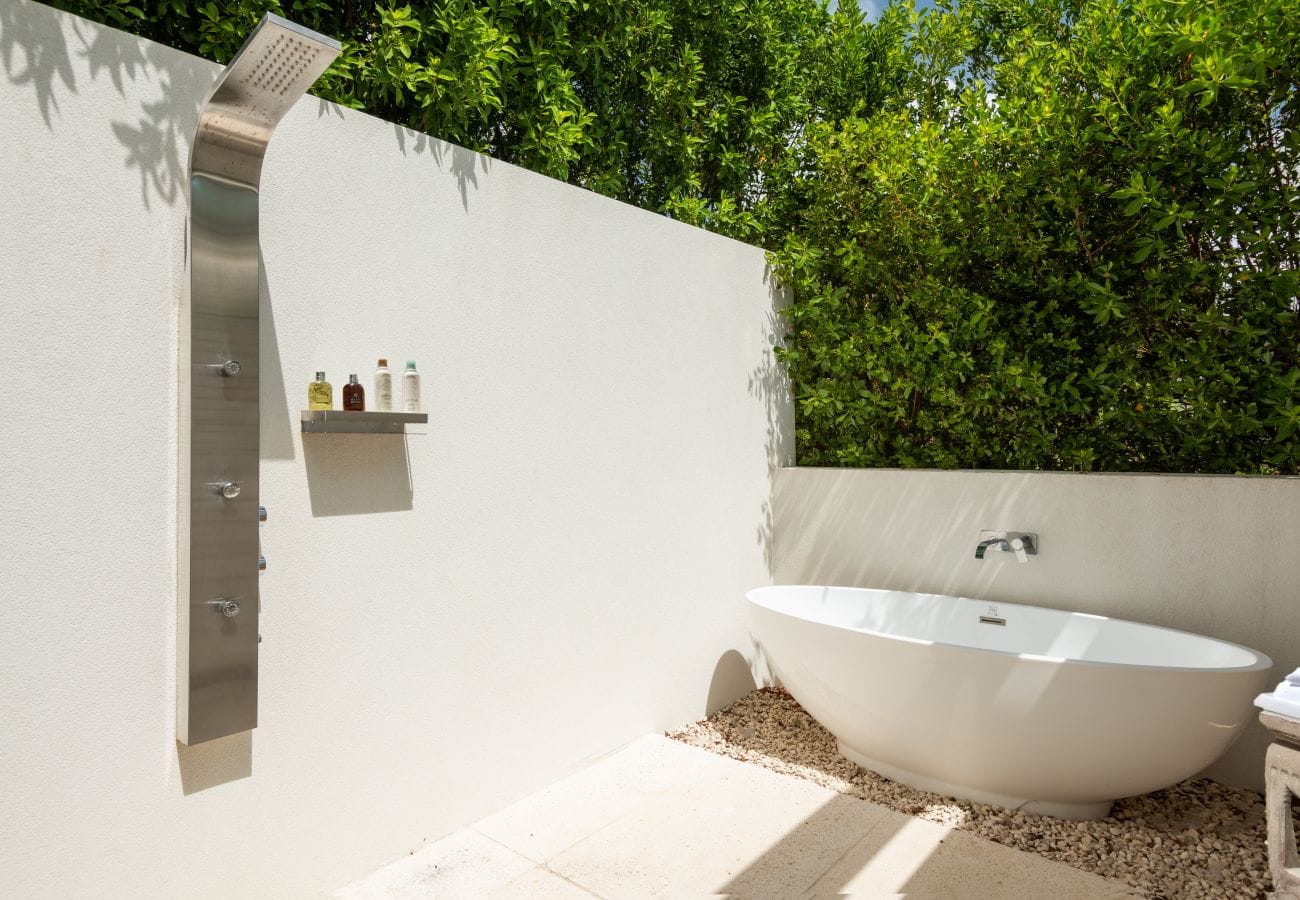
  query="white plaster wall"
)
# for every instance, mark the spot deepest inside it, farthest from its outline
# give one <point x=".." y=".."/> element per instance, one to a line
<point x="552" y="567"/>
<point x="1216" y="555"/>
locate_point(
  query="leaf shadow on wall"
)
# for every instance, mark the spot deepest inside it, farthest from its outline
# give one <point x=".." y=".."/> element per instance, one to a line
<point x="35" y="35"/>
<point x="770" y="384"/>
<point x="357" y="474"/>
<point x="463" y="164"/>
<point x="922" y="539"/>
<point x="215" y="762"/>
<point x="34" y="51"/>
<point x="157" y="143"/>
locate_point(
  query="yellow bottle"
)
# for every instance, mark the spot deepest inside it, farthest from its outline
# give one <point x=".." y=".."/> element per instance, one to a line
<point x="320" y="393"/>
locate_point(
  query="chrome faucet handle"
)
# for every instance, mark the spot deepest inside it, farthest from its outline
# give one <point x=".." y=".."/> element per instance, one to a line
<point x="1018" y="548"/>
<point x="1023" y="544"/>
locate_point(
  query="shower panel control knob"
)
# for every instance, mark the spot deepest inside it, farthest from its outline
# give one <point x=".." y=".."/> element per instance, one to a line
<point x="230" y="367"/>
<point x="228" y="608"/>
<point x="261" y="563"/>
<point x="261" y="514"/>
<point x="230" y="489"/>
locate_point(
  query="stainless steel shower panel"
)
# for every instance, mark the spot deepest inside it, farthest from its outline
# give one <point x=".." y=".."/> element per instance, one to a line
<point x="276" y="66"/>
<point x="219" y="415"/>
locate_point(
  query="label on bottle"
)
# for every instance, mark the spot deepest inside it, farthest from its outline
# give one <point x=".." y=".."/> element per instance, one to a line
<point x="410" y="392"/>
<point x="384" y="392"/>
<point x="320" y="395"/>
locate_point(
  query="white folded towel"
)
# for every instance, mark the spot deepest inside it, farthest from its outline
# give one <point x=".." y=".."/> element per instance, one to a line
<point x="1285" y="701"/>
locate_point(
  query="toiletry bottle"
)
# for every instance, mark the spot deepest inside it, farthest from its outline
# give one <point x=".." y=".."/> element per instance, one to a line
<point x="354" y="395"/>
<point x="410" y="388"/>
<point x="383" y="387"/>
<point x="320" y="394"/>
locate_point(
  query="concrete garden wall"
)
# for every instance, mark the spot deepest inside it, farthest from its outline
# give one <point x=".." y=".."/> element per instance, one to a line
<point x="1216" y="555"/>
<point x="552" y="567"/>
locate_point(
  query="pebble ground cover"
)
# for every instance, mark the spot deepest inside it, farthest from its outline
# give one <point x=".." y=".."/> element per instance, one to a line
<point x="1197" y="839"/>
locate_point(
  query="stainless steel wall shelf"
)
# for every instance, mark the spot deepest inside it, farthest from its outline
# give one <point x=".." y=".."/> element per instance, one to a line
<point x="342" y="421"/>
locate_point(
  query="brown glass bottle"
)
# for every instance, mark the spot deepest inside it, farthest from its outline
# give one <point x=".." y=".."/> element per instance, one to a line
<point x="354" y="395"/>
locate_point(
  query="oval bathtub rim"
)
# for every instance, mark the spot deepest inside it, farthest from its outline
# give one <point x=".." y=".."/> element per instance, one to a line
<point x="1263" y="661"/>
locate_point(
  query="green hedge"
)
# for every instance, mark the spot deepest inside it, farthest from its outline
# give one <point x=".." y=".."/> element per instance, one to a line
<point x="1021" y="233"/>
<point x="1069" y="242"/>
<point x="685" y="107"/>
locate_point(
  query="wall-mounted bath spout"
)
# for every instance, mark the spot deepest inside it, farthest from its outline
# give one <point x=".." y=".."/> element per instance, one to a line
<point x="219" y="416"/>
<point x="1022" y="544"/>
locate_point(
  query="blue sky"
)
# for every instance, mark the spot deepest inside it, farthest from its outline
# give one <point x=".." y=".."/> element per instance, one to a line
<point x="873" y="7"/>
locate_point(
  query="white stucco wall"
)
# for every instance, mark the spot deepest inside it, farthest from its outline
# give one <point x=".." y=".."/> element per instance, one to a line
<point x="552" y="567"/>
<point x="1214" y="555"/>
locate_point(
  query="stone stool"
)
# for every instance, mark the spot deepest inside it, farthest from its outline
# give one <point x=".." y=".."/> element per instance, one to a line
<point x="1281" y="784"/>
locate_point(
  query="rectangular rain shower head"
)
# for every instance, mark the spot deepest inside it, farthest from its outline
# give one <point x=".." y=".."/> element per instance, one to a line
<point x="220" y="417"/>
<point x="277" y="64"/>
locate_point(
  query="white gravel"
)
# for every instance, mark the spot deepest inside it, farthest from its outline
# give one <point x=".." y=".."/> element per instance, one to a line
<point x="1198" y="839"/>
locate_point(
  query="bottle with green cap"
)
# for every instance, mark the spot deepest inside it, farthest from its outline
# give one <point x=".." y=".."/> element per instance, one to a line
<point x="410" y="388"/>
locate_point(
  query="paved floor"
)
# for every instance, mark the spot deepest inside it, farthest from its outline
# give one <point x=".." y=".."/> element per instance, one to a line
<point x="661" y="819"/>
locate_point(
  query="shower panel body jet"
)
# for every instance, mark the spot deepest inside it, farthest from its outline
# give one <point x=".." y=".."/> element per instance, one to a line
<point x="217" y="638"/>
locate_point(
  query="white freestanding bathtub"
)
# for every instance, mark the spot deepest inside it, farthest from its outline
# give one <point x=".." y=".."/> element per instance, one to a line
<point x="1037" y="709"/>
